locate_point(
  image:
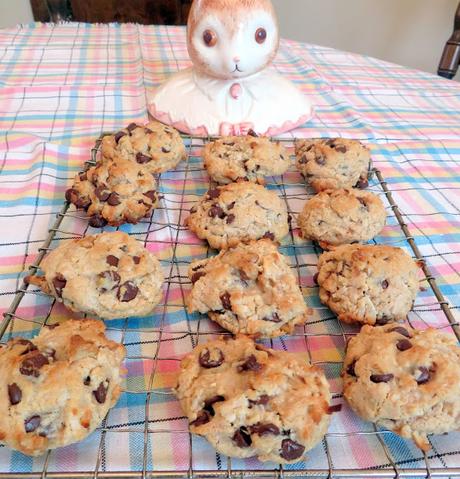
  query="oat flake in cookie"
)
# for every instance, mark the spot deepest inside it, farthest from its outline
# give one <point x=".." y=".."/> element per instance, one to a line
<point x="247" y="158"/>
<point x="247" y="400"/>
<point x="57" y="388"/>
<point x="333" y="163"/>
<point x="238" y="212"/>
<point x="110" y="275"/>
<point x="335" y="217"/>
<point x="155" y="146"/>
<point x="248" y="289"/>
<point x="404" y="380"/>
<point x="114" y="193"/>
<point x="368" y="284"/>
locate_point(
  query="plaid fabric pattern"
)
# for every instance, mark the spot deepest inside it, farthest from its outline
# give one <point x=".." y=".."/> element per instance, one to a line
<point x="61" y="86"/>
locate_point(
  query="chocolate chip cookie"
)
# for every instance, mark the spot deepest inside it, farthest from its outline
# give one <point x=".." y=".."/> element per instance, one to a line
<point x="368" y="284"/>
<point x="155" y="146"/>
<point x="333" y="163"/>
<point x="114" y="192"/>
<point x="57" y="388"/>
<point x="335" y="217"/>
<point x="238" y="212"/>
<point x="247" y="400"/>
<point x="248" y="289"/>
<point x="244" y="157"/>
<point x="110" y="275"/>
<point x="405" y="380"/>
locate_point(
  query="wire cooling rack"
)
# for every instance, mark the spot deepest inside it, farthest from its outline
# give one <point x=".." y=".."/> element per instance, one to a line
<point x="146" y="434"/>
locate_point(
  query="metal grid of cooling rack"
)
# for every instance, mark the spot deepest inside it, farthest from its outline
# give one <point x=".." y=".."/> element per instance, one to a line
<point x="147" y="343"/>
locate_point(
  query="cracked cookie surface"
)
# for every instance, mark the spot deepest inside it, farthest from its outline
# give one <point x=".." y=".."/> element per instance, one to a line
<point x="244" y="157"/>
<point x="114" y="193"/>
<point x="155" y="146"/>
<point x="110" y="275"/>
<point x="335" y="217"/>
<point x="404" y="380"/>
<point x="239" y="212"/>
<point x="247" y="400"/>
<point x="248" y="289"/>
<point x="58" y="387"/>
<point x="368" y="284"/>
<point x="333" y="163"/>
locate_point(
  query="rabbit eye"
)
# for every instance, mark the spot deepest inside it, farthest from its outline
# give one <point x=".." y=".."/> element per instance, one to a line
<point x="209" y="38"/>
<point x="261" y="35"/>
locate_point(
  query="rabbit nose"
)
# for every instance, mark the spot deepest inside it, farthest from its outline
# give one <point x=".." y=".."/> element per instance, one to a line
<point x="236" y="59"/>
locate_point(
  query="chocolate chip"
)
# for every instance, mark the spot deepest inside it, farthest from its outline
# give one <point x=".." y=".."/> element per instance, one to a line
<point x="333" y="409"/>
<point x="382" y="320"/>
<point x="31" y="366"/>
<point x="14" y="393"/>
<point x="112" y="260"/>
<point x="210" y="360"/>
<point x="97" y="221"/>
<point x="142" y="159"/>
<point x="340" y="148"/>
<point x="83" y="176"/>
<point x="381" y="378"/>
<point x="101" y="392"/>
<point x="230" y="219"/>
<point x="165" y="150"/>
<point x="118" y="136"/>
<point x="136" y="259"/>
<point x="197" y="276"/>
<point x="242" y="438"/>
<point x="114" y="199"/>
<point x="32" y="423"/>
<point x="131" y="127"/>
<point x="263" y="429"/>
<point x="111" y="276"/>
<point x="87" y="381"/>
<point x="425" y="374"/>
<point x="385" y="284"/>
<point x="262" y="400"/>
<point x="315" y="278"/>
<point x="251" y="132"/>
<point x="319" y="159"/>
<point x="269" y="235"/>
<point x="403" y="344"/>
<point x="30" y="345"/>
<point x="202" y="418"/>
<point x="291" y="450"/>
<point x="101" y="193"/>
<point x="250" y="364"/>
<point x="362" y="183"/>
<point x="208" y="404"/>
<point x="216" y="210"/>
<point x="152" y="195"/>
<point x="351" y="369"/>
<point x="193" y="210"/>
<point x="226" y="303"/>
<point x="400" y="330"/>
<point x="59" y="283"/>
<point x="70" y="193"/>
<point x="231" y="206"/>
<point x="274" y="318"/>
<point x="243" y="276"/>
<point x="127" y="292"/>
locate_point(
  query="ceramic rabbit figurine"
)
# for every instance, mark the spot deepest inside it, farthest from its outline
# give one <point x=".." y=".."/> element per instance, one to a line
<point x="230" y="88"/>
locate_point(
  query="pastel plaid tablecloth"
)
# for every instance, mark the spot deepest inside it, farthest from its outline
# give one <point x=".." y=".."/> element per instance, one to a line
<point x="61" y="86"/>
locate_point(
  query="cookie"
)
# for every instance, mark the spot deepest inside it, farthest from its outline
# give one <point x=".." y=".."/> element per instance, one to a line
<point x="58" y="387"/>
<point x="333" y="163"/>
<point x="404" y="380"/>
<point x="114" y="192"/>
<point x="248" y="289"/>
<point x="244" y="157"/>
<point x="368" y="284"/>
<point x="247" y="400"/>
<point x="238" y="212"/>
<point x="110" y="275"/>
<point x="156" y="146"/>
<point x="335" y="217"/>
